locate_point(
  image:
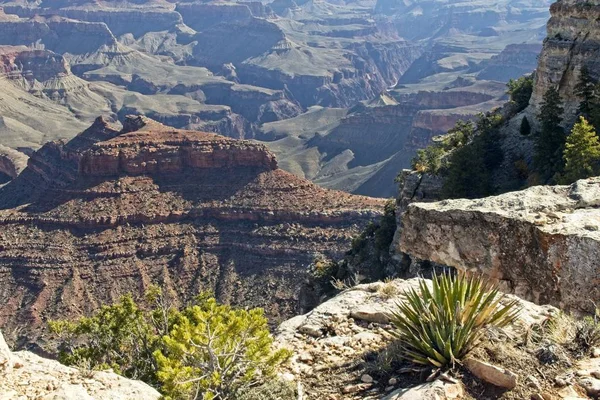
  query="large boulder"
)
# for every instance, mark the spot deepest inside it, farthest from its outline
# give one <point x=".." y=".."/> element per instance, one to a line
<point x="542" y="243"/>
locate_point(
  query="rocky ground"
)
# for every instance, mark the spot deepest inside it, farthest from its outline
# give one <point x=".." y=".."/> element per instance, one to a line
<point x="344" y="349"/>
<point x="25" y="376"/>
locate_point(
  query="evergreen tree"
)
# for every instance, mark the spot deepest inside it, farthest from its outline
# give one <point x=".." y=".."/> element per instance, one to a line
<point x="525" y="127"/>
<point x="585" y="89"/>
<point x="550" y="140"/>
<point x="594" y="107"/>
<point x="582" y="152"/>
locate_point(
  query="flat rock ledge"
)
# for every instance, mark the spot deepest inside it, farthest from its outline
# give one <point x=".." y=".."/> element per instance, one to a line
<point x="542" y="243"/>
<point x="24" y="376"/>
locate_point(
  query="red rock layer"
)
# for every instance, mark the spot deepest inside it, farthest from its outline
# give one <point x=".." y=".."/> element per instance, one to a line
<point x="112" y="211"/>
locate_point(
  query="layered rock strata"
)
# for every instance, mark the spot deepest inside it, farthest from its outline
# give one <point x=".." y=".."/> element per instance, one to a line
<point x="541" y="243"/>
<point x="573" y="38"/>
<point x="114" y="210"/>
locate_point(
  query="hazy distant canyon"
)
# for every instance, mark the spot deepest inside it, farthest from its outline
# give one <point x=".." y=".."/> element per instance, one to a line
<point x="343" y="93"/>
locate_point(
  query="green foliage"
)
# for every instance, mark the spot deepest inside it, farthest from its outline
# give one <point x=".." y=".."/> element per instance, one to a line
<point x="582" y="153"/>
<point x="213" y="351"/>
<point x="202" y="351"/>
<point x="119" y="336"/>
<point x="585" y="89"/>
<point x="520" y="91"/>
<point x="550" y="140"/>
<point x="587" y="331"/>
<point x="429" y="159"/>
<point x="440" y="325"/>
<point x="470" y="166"/>
<point x="525" y="127"/>
<point x="432" y="158"/>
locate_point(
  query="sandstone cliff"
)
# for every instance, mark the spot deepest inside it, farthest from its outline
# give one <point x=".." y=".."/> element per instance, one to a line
<point x="572" y="43"/>
<point x="114" y="210"/>
<point x="541" y="243"/>
<point x="24" y="375"/>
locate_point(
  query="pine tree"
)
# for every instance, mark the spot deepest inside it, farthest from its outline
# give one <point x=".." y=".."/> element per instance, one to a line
<point x="550" y="140"/>
<point x="525" y="127"/>
<point x="585" y="89"/>
<point x="582" y="152"/>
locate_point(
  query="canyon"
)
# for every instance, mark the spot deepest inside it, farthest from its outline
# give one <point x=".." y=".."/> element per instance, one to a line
<point x="240" y="68"/>
<point x="113" y="210"/>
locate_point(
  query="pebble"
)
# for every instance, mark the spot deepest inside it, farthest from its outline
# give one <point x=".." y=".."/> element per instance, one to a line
<point x="366" y="378"/>
<point x="393" y="382"/>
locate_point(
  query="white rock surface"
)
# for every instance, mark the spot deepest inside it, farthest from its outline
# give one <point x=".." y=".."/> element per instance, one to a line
<point x="28" y="376"/>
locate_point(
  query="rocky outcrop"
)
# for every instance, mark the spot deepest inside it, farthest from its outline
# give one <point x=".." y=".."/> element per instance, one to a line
<point x="541" y="243"/>
<point x="342" y="333"/>
<point x="27" y="375"/>
<point x="12" y="162"/>
<point x="55" y="33"/>
<point x="514" y="61"/>
<point x="113" y="210"/>
<point x="120" y="20"/>
<point x="572" y="43"/>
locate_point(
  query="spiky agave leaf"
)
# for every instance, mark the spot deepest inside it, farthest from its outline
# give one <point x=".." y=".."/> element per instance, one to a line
<point x="441" y="324"/>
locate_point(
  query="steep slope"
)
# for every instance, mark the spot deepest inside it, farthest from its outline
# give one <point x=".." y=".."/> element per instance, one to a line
<point x="112" y="211"/>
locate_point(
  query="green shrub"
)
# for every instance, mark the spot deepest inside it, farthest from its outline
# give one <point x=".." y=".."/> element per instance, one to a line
<point x="205" y="351"/>
<point x="213" y="351"/>
<point x="120" y="336"/>
<point x="587" y="331"/>
<point x="520" y="91"/>
<point x="441" y="325"/>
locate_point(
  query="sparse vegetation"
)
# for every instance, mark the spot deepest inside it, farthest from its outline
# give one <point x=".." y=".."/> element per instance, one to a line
<point x="439" y="326"/>
<point x="204" y="351"/>
<point x="587" y="332"/>
<point x="520" y="91"/>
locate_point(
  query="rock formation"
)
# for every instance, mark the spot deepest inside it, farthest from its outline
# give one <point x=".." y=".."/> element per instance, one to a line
<point x="541" y="243"/>
<point x="24" y="375"/>
<point x="572" y="43"/>
<point x="112" y="211"/>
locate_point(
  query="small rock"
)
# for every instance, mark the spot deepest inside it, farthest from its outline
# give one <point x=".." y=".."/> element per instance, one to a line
<point x="533" y="382"/>
<point x="490" y="373"/>
<point x="311" y="330"/>
<point x="393" y="382"/>
<point x="591" y="385"/>
<point x="355" y="388"/>
<point x="366" y="378"/>
<point x="596" y="352"/>
<point x="560" y="381"/>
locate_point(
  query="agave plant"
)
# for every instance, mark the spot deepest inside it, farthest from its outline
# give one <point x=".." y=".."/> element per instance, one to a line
<point x="442" y="324"/>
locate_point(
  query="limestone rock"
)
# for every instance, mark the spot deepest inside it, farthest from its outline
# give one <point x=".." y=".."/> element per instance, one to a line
<point x="437" y="390"/>
<point x="45" y="379"/>
<point x="491" y="373"/>
<point x="535" y="242"/>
